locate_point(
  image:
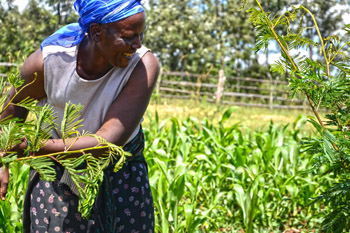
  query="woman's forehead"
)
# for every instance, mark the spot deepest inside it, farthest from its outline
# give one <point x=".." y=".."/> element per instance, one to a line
<point x="133" y="22"/>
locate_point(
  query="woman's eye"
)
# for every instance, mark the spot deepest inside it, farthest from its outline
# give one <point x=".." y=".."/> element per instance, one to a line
<point x="141" y="36"/>
<point x="127" y="37"/>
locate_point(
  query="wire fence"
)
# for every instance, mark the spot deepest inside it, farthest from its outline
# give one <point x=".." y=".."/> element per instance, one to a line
<point x="5" y="67"/>
<point x="242" y="91"/>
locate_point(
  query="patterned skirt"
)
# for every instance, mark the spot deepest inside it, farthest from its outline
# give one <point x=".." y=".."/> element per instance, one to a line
<point x="124" y="203"/>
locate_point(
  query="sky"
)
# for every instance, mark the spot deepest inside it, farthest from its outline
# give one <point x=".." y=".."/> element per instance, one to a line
<point x="21" y="4"/>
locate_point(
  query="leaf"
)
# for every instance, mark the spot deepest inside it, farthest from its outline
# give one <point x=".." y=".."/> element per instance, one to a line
<point x="328" y="146"/>
<point x="44" y="166"/>
<point x="10" y="136"/>
<point x="15" y="80"/>
<point x="227" y="114"/>
<point x="42" y="129"/>
<point x="317" y="126"/>
<point x="71" y="122"/>
<point x="241" y="199"/>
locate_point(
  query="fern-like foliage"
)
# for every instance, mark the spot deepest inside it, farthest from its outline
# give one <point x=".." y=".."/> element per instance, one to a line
<point x="70" y="122"/>
<point x="85" y="169"/>
<point x="325" y="81"/>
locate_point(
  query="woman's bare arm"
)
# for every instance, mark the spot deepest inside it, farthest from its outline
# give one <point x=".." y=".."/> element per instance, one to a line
<point x="124" y="114"/>
<point x="32" y="71"/>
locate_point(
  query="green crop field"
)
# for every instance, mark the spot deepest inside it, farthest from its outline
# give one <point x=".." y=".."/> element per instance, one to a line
<point x="210" y="172"/>
<point x="218" y="169"/>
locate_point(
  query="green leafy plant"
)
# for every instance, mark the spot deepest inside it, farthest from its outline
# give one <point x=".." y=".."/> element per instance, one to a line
<point x="325" y="83"/>
<point x="209" y="177"/>
<point x="85" y="170"/>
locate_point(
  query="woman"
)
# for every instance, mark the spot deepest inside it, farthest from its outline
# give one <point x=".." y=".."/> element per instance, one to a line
<point x="101" y="64"/>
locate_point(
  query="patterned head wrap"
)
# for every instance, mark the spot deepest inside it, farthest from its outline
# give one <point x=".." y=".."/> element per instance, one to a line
<point x="92" y="11"/>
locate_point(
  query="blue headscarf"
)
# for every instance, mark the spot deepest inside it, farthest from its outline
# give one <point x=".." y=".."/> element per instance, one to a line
<point x="92" y="11"/>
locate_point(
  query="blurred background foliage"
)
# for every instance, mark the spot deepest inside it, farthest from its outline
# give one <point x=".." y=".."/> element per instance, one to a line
<point x="197" y="36"/>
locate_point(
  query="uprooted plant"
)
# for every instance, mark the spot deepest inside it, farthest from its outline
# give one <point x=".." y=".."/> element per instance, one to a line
<point x="85" y="170"/>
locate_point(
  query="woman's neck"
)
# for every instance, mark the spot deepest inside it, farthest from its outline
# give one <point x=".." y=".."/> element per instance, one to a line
<point x="90" y="64"/>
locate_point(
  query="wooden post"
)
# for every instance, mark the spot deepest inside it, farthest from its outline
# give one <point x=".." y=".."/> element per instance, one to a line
<point x="199" y="85"/>
<point x="238" y="89"/>
<point x="159" y="81"/>
<point x="271" y="91"/>
<point x="220" y="88"/>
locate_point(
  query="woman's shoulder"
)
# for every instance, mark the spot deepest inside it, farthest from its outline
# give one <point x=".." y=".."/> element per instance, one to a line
<point x="147" y="57"/>
<point x="58" y="51"/>
<point x="142" y="51"/>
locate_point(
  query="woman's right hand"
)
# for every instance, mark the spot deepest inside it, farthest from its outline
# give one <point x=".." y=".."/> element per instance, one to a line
<point x="4" y="180"/>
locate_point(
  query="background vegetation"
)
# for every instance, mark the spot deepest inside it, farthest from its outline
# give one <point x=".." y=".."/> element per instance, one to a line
<point x="197" y="36"/>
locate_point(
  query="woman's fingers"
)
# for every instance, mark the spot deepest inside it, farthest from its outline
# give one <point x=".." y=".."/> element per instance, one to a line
<point x="4" y="180"/>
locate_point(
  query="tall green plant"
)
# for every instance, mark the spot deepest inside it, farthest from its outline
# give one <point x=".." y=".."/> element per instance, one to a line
<point x="324" y="80"/>
<point x="36" y="132"/>
<point x="214" y="178"/>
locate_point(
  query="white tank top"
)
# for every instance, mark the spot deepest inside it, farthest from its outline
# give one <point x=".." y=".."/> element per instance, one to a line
<point x="63" y="84"/>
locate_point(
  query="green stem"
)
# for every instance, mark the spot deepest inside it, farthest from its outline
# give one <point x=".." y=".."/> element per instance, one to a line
<point x="312" y="105"/>
<point x="60" y="153"/>
<point x="75" y="140"/>
<point x="17" y="92"/>
<point x="279" y="18"/>
<point x="276" y="37"/>
<point x="321" y="39"/>
<point x="347" y="43"/>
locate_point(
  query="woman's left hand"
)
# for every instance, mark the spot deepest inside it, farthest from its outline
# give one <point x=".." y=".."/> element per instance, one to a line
<point x="4" y="180"/>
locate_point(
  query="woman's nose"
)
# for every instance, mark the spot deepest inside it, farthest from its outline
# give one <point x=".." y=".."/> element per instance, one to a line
<point x="136" y="44"/>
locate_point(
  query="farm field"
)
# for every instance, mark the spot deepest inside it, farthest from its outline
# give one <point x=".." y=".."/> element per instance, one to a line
<point x="248" y="118"/>
<point x="218" y="169"/>
<point x="230" y="169"/>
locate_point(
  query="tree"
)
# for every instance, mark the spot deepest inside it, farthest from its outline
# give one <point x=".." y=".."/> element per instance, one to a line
<point x="324" y="81"/>
<point x="195" y="35"/>
<point x="9" y="19"/>
<point x="64" y="11"/>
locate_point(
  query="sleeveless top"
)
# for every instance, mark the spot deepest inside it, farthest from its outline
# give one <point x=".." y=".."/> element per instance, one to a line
<point x="63" y="84"/>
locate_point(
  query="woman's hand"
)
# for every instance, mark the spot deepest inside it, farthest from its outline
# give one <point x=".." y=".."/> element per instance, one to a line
<point x="4" y="180"/>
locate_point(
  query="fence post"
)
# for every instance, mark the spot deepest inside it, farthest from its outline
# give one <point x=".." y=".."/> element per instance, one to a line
<point x="220" y="88"/>
<point x="271" y="91"/>
<point x="238" y="89"/>
<point x="159" y="81"/>
<point x="199" y="85"/>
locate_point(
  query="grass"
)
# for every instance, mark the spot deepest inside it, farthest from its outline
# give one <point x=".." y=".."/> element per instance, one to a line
<point x="248" y="118"/>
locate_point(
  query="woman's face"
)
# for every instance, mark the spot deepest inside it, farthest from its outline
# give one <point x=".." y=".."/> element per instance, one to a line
<point x="120" y="40"/>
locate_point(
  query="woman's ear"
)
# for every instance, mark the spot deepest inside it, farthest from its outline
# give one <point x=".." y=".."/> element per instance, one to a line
<point x="95" y="31"/>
